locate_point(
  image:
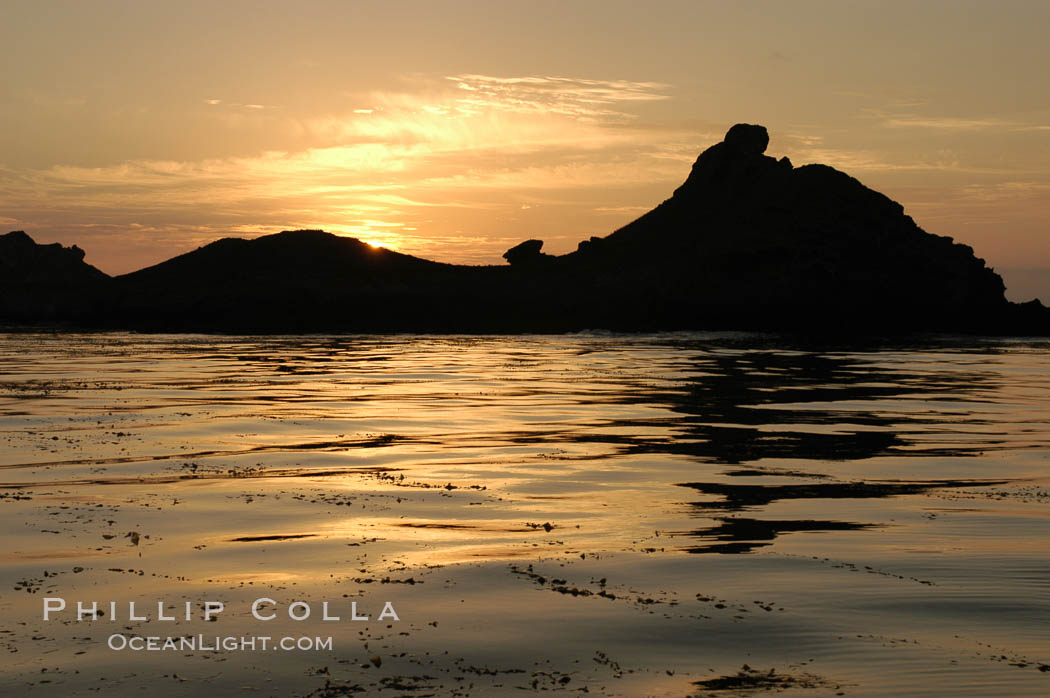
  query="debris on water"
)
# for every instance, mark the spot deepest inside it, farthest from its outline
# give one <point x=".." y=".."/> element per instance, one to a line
<point x="748" y="679"/>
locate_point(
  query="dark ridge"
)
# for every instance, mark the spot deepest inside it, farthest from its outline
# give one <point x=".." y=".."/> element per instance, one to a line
<point x="46" y="283"/>
<point x="24" y="261"/>
<point x="747" y="242"/>
<point x="302" y="255"/>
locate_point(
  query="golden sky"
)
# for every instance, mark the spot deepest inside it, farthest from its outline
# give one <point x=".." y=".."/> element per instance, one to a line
<point x="453" y="130"/>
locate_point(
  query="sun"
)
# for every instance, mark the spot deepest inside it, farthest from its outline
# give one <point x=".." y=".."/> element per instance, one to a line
<point x="366" y="232"/>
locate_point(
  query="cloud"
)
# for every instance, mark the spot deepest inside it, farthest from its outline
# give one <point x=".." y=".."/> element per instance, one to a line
<point x="1005" y="191"/>
<point x="452" y="160"/>
<point x="957" y="124"/>
<point x="867" y="160"/>
<point x="621" y="209"/>
<point x="951" y="123"/>
<point x="470" y="112"/>
<point x="593" y="99"/>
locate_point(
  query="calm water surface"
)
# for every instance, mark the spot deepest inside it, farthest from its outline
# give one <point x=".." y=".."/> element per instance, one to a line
<point x="670" y="515"/>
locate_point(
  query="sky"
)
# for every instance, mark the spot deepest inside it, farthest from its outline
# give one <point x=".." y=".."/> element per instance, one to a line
<point x="454" y="130"/>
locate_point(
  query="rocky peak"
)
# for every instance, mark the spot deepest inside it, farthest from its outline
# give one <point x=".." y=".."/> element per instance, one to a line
<point x="732" y="165"/>
<point x="747" y="139"/>
<point x="23" y="260"/>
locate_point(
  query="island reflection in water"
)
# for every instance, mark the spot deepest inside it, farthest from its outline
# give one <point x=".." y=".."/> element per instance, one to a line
<point x="638" y="515"/>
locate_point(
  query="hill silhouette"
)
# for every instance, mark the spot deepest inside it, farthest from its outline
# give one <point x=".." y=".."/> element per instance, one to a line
<point x="302" y="280"/>
<point x="747" y="242"/>
<point x="45" y="282"/>
<point x="752" y="239"/>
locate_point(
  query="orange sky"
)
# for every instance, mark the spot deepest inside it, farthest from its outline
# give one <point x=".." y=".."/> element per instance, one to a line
<point x="453" y="130"/>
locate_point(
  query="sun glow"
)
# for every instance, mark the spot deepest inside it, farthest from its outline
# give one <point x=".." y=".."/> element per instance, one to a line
<point x="457" y="170"/>
<point x="376" y="239"/>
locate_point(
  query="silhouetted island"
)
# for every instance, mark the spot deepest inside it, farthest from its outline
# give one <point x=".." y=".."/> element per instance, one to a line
<point x="747" y="242"/>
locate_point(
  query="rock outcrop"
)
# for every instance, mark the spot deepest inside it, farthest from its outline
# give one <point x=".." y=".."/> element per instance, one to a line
<point x="753" y="242"/>
<point x="527" y="254"/>
<point x="46" y="283"/>
<point x="24" y="261"/>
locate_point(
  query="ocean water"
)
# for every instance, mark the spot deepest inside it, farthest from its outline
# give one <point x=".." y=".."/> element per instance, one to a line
<point x="666" y="515"/>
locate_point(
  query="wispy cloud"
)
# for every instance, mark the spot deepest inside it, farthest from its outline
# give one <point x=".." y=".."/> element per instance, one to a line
<point x="952" y="123"/>
<point x="898" y="118"/>
<point x="235" y="105"/>
<point x="1006" y="191"/>
<point x="888" y="109"/>
<point x="867" y="160"/>
<point x="594" y="99"/>
<point x="621" y="209"/>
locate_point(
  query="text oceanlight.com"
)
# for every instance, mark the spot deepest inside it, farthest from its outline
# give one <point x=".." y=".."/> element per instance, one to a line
<point x="201" y="643"/>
